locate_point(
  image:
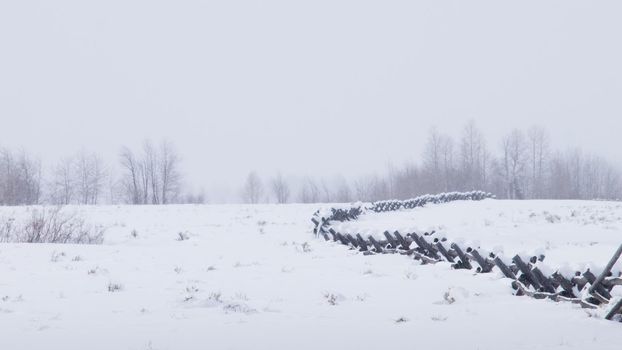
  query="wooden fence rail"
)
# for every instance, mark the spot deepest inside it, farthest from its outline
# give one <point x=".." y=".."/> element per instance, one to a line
<point x="584" y="288"/>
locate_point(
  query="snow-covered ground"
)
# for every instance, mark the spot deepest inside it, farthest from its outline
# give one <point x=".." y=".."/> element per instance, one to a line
<point x="254" y="277"/>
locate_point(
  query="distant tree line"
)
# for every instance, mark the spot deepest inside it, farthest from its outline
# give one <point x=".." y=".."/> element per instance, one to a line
<point x="150" y="175"/>
<point x="20" y="178"/>
<point x="523" y="165"/>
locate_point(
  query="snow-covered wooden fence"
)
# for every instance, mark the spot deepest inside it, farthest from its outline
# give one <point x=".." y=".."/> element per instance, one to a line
<point x="583" y="288"/>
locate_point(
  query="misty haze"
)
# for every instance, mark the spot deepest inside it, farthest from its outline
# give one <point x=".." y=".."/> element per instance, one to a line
<point x="342" y="174"/>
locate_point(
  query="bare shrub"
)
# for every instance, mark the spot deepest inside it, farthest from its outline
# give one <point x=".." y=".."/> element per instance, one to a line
<point x="114" y="287"/>
<point x="334" y="299"/>
<point x="183" y="236"/>
<point x="238" y="308"/>
<point x="51" y="225"/>
<point x="7" y="229"/>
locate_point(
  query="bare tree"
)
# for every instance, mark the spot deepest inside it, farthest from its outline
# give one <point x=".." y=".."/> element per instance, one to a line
<point x="309" y="191"/>
<point x="83" y="170"/>
<point x="20" y="178"/>
<point x="514" y="164"/>
<point x="327" y="193"/>
<point x="62" y="186"/>
<point x="575" y="163"/>
<point x="343" y="192"/>
<point x="409" y="181"/>
<point x="116" y="191"/>
<point x="90" y="177"/>
<point x="538" y="151"/>
<point x="169" y="172"/>
<point x="432" y="160"/>
<point x="280" y="189"/>
<point x="472" y="163"/>
<point x="372" y="188"/>
<point x="253" y="188"/>
<point x="448" y="165"/>
<point x="150" y="165"/>
<point x="154" y="177"/>
<point x="132" y="176"/>
<point x="196" y="197"/>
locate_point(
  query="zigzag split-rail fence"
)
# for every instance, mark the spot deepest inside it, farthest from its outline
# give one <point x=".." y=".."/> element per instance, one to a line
<point x="583" y="288"/>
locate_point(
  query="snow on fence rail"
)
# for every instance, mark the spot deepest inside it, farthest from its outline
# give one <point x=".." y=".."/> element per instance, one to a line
<point x="322" y="218"/>
<point x="583" y="288"/>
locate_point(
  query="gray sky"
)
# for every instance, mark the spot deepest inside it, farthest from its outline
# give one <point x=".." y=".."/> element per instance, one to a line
<point x="268" y="85"/>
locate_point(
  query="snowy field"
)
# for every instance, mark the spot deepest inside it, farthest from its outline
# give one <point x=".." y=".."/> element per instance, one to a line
<point x="254" y="277"/>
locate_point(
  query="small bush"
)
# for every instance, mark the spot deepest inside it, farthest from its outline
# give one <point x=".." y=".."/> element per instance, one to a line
<point x="401" y="320"/>
<point x="114" y="287"/>
<point x="51" y="225"/>
<point x="238" y="308"/>
<point x="7" y="229"/>
<point x="183" y="236"/>
<point x="334" y="299"/>
<point x="57" y="256"/>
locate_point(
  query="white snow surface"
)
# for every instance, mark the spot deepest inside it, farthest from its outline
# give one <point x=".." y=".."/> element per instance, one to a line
<point x="255" y="277"/>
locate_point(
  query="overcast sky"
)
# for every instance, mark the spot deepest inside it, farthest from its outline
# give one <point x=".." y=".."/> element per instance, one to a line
<point x="279" y="85"/>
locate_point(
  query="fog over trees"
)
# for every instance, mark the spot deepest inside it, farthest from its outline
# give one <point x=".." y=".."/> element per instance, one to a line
<point x="253" y="189"/>
<point x="20" y="178"/>
<point x="523" y="165"/>
<point x="151" y="176"/>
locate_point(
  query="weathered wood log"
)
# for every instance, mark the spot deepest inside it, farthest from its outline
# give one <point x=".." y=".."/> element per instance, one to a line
<point x="522" y="290"/>
<point x="426" y="247"/>
<point x="418" y="256"/>
<point x="452" y="253"/>
<point x="352" y="240"/>
<point x="606" y="271"/>
<point x="615" y="309"/>
<point x="361" y="242"/>
<point x="432" y="249"/>
<point x="377" y="246"/>
<point x="611" y="282"/>
<point x="390" y="239"/>
<point x="504" y="268"/>
<point x="524" y="269"/>
<point x="464" y="260"/>
<point x="565" y="284"/>
<point x="579" y="281"/>
<point x="485" y="267"/>
<point x="444" y="252"/>
<point x="523" y="279"/>
<point x="325" y="235"/>
<point x="341" y="238"/>
<point x="402" y="242"/>
<point x="598" y="288"/>
<point x="442" y="239"/>
<point x="333" y="233"/>
<point x="584" y="304"/>
<point x="543" y="280"/>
